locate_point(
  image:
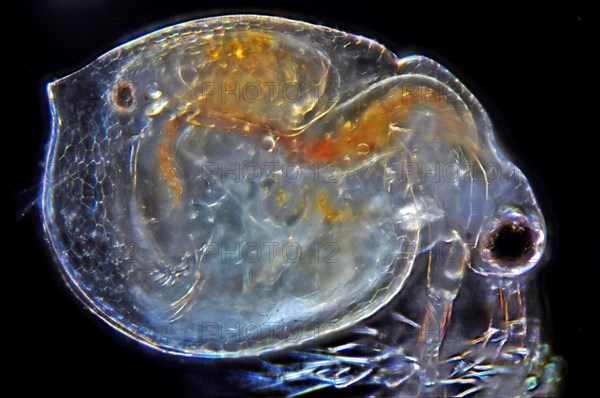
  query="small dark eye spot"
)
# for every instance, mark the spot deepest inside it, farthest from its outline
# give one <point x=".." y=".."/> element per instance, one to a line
<point x="512" y="243"/>
<point x="124" y="96"/>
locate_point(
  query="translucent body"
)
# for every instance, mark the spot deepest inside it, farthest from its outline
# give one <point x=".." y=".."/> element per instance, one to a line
<point x="235" y="187"/>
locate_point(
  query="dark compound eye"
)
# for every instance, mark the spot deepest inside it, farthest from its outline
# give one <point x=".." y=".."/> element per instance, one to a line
<point x="511" y="242"/>
<point x="124" y="96"/>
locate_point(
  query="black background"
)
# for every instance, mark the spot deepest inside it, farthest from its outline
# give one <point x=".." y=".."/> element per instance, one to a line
<point x="534" y="67"/>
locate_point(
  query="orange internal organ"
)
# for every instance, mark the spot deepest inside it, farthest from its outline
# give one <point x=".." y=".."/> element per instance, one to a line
<point x="371" y="130"/>
<point x="332" y="213"/>
<point x="256" y="59"/>
<point x="166" y="158"/>
<point x="352" y="142"/>
<point x="256" y="77"/>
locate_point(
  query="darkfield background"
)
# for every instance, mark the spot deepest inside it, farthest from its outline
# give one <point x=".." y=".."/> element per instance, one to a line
<point x="534" y="67"/>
